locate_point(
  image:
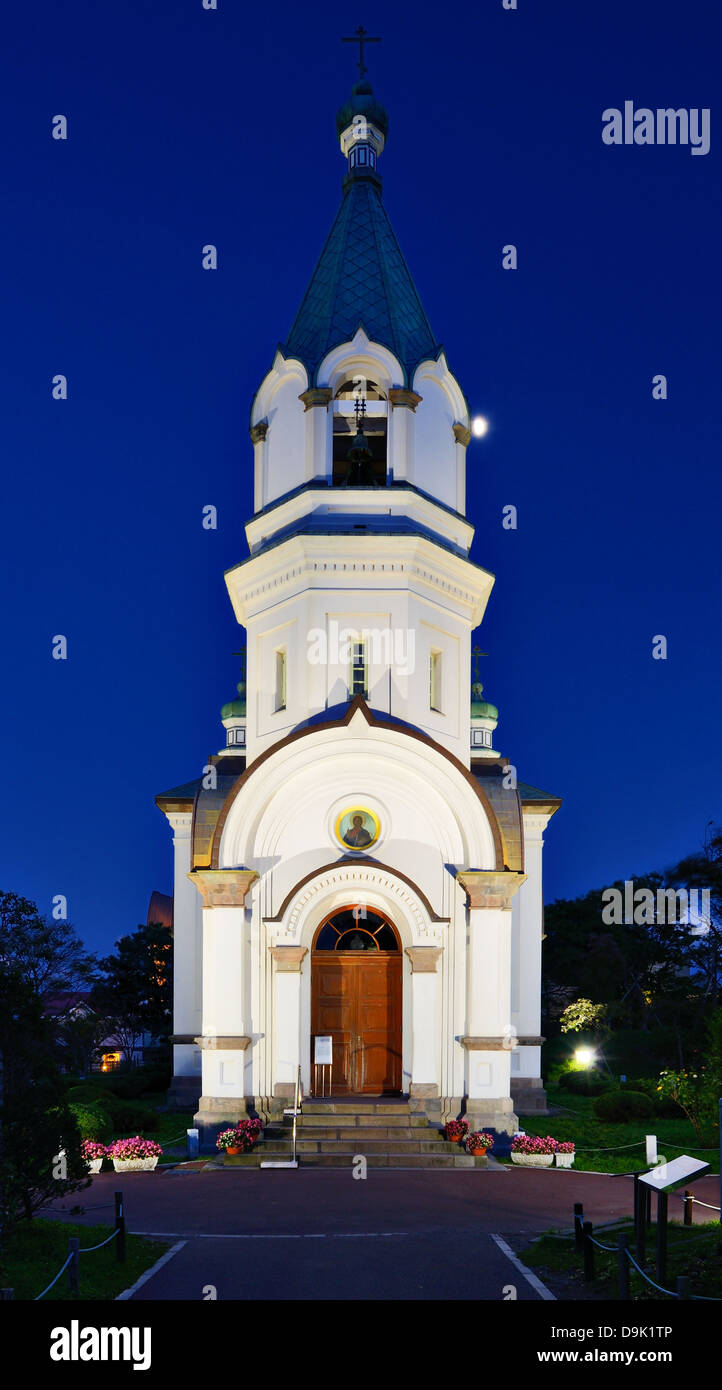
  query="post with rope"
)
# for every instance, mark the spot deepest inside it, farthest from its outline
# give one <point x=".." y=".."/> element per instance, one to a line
<point x="120" y="1228"/>
<point x="688" y="1201"/>
<point x="579" y="1224"/>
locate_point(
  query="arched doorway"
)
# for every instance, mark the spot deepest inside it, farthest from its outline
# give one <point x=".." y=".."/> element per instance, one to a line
<point x="356" y="998"/>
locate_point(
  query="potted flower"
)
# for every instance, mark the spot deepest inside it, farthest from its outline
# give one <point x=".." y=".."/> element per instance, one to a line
<point x="134" y="1155"/>
<point x="533" y="1151"/>
<point x="478" y="1143"/>
<point x="93" y="1152"/>
<point x="564" y="1155"/>
<point x="228" y="1142"/>
<point x="454" y="1130"/>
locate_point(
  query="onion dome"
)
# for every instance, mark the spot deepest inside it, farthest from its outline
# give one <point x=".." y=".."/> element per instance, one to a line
<point x="362" y="102"/>
<point x="481" y="709"/>
<point x="236" y="709"/>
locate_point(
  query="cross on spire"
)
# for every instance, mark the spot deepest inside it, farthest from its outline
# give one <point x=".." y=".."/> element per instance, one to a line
<point x="476" y="652"/>
<point x="242" y="654"/>
<point x="361" y="37"/>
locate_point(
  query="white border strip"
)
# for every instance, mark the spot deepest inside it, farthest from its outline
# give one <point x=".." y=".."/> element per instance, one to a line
<point x="128" y="1293"/>
<point x="536" y="1284"/>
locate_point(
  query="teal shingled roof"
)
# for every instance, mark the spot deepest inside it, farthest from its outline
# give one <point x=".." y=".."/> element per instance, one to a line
<point x="361" y="279"/>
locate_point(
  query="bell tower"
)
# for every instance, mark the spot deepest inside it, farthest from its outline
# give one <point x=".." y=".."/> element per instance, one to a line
<point x="358" y="579"/>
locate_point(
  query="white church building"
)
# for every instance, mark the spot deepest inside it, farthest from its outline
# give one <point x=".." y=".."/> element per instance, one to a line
<point x="358" y="862"/>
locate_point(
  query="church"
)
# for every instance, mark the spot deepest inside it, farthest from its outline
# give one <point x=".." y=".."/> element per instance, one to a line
<point x="358" y="862"/>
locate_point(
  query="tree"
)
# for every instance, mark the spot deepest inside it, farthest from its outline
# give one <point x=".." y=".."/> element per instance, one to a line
<point x="40" y="1158"/>
<point x="48" y="953"/>
<point x="583" y="1015"/>
<point x="136" y="994"/>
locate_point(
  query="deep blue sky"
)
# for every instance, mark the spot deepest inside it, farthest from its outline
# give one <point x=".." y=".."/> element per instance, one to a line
<point x="189" y="126"/>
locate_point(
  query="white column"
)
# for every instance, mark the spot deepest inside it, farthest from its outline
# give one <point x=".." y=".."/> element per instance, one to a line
<point x="400" y="433"/>
<point x="225" y="1031"/>
<point x="425" y="1051"/>
<point x="186" y="986"/>
<point x="287" y="962"/>
<point x="530" y="926"/>
<point x="462" y="435"/>
<point x="489" y="1036"/>
<point x="319" y="427"/>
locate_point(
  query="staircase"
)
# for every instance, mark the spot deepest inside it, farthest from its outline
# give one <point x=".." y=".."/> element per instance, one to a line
<point x="331" y="1133"/>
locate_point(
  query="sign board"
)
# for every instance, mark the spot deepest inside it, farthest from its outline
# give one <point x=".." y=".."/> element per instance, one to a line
<point x="668" y="1175"/>
<point x="323" y="1051"/>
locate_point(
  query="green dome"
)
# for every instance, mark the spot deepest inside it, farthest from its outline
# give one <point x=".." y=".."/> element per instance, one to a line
<point x="236" y="709"/>
<point x="362" y="102"/>
<point x="481" y="709"/>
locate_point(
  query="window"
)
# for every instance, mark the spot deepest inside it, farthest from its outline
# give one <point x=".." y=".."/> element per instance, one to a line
<point x="435" y="681"/>
<point x="358" y="683"/>
<point x="280" y="701"/>
<point x="356" y="929"/>
<point x="481" y="738"/>
<point x="235" y="736"/>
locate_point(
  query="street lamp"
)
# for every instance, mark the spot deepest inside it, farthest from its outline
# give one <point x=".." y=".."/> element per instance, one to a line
<point x="584" y="1056"/>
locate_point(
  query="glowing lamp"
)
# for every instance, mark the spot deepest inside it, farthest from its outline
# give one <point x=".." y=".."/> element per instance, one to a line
<point x="479" y="426"/>
<point x="584" y="1056"/>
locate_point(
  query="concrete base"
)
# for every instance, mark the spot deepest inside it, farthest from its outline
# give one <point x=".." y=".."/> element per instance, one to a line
<point x="493" y="1113"/>
<point x="528" y="1095"/>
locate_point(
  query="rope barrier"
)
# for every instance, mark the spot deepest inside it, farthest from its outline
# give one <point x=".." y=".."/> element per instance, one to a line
<point x="669" y="1292"/>
<point x="614" y="1149"/>
<point x="599" y="1245"/>
<point x="697" y="1202"/>
<point x="88" y="1250"/>
<point x="55" y="1280"/>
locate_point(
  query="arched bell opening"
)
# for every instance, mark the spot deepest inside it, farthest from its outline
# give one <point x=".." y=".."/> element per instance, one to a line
<point x="360" y="408"/>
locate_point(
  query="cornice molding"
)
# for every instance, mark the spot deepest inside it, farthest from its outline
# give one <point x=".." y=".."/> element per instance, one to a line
<point x="223" y="887"/>
<point x="489" y="888"/>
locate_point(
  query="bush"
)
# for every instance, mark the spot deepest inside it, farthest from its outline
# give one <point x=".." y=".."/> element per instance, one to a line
<point x="84" y="1092"/>
<point x="92" y="1120"/>
<point x="584" y="1082"/>
<point x="126" y="1116"/>
<point x="663" y="1106"/>
<point x="623" y="1105"/>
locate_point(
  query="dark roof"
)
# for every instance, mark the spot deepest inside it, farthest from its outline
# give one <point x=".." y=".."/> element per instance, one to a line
<point x="529" y="793"/>
<point x="361" y="280"/>
<point x="185" y="792"/>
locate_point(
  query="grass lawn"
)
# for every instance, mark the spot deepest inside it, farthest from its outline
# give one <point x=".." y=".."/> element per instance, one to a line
<point x="593" y="1137"/>
<point x="33" y="1254"/>
<point x="695" y="1251"/>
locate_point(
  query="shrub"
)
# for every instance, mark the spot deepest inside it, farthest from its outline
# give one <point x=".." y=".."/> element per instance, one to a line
<point x="584" y="1082"/>
<point x="91" y="1119"/>
<point x="85" y="1091"/>
<point x="663" y="1106"/>
<point x="126" y="1115"/>
<point x="623" y="1105"/>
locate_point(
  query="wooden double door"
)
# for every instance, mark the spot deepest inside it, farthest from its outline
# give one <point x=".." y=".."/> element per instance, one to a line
<point x="356" y="997"/>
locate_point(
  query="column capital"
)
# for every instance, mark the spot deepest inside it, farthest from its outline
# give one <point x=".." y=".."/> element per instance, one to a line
<point x="423" y="959"/>
<point x="488" y="888"/>
<point x="486" y="1044"/>
<point x="223" y="1044"/>
<point x="462" y="435"/>
<point x="223" y="887"/>
<point x="258" y="432"/>
<point x="398" y="395"/>
<point x="316" y="395"/>
<point x="288" y="957"/>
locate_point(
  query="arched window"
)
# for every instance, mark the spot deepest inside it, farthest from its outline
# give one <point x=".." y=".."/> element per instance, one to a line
<point x="356" y="929"/>
<point x="375" y="419"/>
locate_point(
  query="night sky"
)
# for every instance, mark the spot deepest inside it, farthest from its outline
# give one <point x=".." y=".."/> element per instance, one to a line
<point x="189" y="127"/>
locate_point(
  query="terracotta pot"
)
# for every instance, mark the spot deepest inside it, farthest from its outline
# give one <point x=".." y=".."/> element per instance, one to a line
<point x="233" y="1151"/>
<point x="478" y="1153"/>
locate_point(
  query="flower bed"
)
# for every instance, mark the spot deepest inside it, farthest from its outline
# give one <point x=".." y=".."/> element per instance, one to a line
<point x="533" y="1150"/>
<point x="134" y="1155"/>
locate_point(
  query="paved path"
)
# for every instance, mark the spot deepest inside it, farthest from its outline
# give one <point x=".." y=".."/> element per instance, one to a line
<point x="319" y="1233"/>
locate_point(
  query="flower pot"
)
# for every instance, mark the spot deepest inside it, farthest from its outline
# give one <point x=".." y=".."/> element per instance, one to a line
<point x="478" y="1153"/>
<point x="533" y="1160"/>
<point x="233" y="1150"/>
<point x="135" y="1165"/>
<point x="93" y="1165"/>
<point x="564" y="1160"/>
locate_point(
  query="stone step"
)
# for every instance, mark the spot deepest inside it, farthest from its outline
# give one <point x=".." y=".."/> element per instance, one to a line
<point x="343" y="1145"/>
<point x="392" y="1160"/>
<point x="344" y="1107"/>
<point x="359" y="1120"/>
<point x="361" y="1135"/>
